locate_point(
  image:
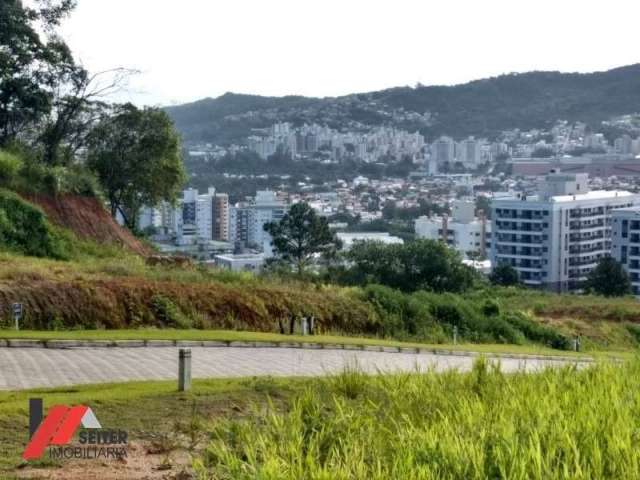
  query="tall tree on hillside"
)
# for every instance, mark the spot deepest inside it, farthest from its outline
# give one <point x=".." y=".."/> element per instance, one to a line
<point x="136" y="156"/>
<point x="300" y="235"/>
<point x="609" y="278"/>
<point x="33" y="62"/>
<point x="78" y="105"/>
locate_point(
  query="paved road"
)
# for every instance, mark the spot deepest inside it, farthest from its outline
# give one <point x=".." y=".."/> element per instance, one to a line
<point x="23" y="368"/>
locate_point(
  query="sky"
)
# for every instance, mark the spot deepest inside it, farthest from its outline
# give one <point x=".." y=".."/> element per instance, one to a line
<point x="190" y="49"/>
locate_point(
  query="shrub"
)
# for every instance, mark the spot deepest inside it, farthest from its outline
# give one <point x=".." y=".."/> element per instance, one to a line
<point x="24" y="229"/>
<point x="10" y="165"/>
<point x="491" y="308"/>
<point x="76" y="180"/>
<point x="536" y="332"/>
<point x="168" y="313"/>
<point x="390" y="305"/>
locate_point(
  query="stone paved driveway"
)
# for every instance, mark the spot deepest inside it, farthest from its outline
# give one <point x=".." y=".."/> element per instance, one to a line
<point x="22" y="368"/>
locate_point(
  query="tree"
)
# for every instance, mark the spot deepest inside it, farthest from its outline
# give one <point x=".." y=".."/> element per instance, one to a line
<point x="609" y="279"/>
<point x="77" y="106"/>
<point x="418" y="265"/>
<point x="136" y="155"/>
<point x="33" y="62"/>
<point x="504" y="275"/>
<point x="300" y="235"/>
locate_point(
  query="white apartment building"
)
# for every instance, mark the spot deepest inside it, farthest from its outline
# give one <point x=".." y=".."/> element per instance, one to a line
<point x="463" y="231"/>
<point x="625" y="237"/>
<point x="265" y="208"/>
<point x="247" y="221"/>
<point x="443" y="150"/>
<point x="469" y="152"/>
<point x="202" y="217"/>
<point x="555" y="238"/>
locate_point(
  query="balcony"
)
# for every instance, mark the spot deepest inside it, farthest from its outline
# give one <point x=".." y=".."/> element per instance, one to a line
<point x="583" y="263"/>
<point x="587" y="213"/>
<point x="523" y="216"/>
<point x="586" y="251"/>
<point x="588" y="225"/>
<point x="586" y="238"/>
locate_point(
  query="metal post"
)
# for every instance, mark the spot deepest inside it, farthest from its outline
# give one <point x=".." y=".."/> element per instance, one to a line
<point x="36" y="414"/>
<point x="455" y="335"/>
<point x="184" y="370"/>
<point x="17" y="314"/>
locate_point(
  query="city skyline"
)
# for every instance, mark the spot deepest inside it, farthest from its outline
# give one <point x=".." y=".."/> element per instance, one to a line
<point x="204" y="50"/>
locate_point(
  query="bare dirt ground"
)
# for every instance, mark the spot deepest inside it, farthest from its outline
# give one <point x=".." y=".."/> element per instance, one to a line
<point x="145" y="461"/>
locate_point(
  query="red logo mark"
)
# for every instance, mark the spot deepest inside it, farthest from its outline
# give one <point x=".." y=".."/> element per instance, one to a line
<point x="58" y="428"/>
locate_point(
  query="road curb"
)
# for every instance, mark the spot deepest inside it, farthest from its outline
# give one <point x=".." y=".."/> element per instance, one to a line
<point x="65" y="344"/>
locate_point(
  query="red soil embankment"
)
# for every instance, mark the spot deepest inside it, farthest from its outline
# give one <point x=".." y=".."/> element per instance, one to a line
<point x="88" y="219"/>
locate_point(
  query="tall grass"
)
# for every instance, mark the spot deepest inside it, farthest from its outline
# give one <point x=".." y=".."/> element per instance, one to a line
<point x="558" y="424"/>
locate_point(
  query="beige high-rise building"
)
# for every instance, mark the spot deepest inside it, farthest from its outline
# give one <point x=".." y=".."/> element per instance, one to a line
<point x="221" y="217"/>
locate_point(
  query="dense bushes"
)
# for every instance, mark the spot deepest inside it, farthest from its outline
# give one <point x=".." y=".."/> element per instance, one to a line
<point x="10" y="165"/>
<point x="418" y="265"/>
<point x="22" y="171"/>
<point x="537" y="332"/>
<point x="431" y="317"/>
<point x="24" y="229"/>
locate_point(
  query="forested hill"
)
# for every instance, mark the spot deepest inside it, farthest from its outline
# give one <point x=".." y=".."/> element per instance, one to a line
<point x="482" y="107"/>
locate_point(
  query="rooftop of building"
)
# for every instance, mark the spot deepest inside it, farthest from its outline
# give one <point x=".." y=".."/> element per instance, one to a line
<point x="240" y="256"/>
<point x="630" y="210"/>
<point x="349" y="237"/>
<point x="592" y="195"/>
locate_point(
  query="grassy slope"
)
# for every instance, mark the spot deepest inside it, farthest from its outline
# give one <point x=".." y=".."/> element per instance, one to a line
<point x="229" y="336"/>
<point x="101" y="271"/>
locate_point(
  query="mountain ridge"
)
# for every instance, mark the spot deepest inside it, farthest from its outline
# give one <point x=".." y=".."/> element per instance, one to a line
<point x="482" y="107"/>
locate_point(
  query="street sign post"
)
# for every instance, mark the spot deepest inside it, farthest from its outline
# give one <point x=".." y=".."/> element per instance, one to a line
<point x="17" y="314"/>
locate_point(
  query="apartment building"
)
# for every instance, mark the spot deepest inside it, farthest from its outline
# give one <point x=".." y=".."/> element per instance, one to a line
<point x="556" y="237"/>
<point x="247" y="221"/>
<point x="625" y="236"/>
<point x="463" y="231"/>
<point x="202" y="217"/>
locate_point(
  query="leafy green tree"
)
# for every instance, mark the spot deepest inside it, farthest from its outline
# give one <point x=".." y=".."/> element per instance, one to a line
<point x="300" y="235"/>
<point x="34" y="62"/>
<point x="137" y="157"/>
<point x="418" y="265"/>
<point x="504" y="275"/>
<point x="609" y="279"/>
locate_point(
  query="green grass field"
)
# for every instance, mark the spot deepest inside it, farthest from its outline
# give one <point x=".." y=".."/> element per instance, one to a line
<point x="559" y="424"/>
<point x="229" y="336"/>
<point x="562" y="423"/>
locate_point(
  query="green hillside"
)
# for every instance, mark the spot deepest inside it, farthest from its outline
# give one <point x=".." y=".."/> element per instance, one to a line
<point x="483" y="107"/>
